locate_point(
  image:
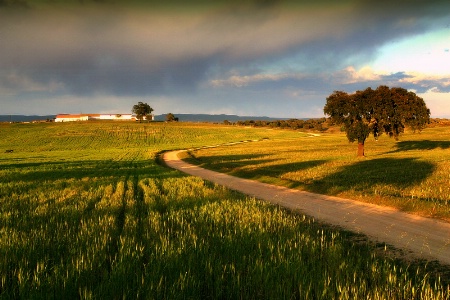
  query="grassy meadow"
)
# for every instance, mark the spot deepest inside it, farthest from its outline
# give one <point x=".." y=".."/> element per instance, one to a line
<point x="411" y="174"/>
<point x="87" y="212"/>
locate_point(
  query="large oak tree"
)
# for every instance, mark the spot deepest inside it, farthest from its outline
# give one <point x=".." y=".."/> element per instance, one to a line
<point x="370" y="111"/>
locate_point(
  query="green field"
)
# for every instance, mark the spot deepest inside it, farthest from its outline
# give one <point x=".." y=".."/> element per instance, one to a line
<point x="86" y="212"/>
<point x="412" y="174"/>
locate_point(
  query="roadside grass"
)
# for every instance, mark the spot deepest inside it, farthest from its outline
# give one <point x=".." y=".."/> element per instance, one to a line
<point x="86" y="212"/>
<point x="412" y="174"/>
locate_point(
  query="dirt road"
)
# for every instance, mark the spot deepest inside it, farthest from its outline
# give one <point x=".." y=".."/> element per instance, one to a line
<point x="422" y="237"/>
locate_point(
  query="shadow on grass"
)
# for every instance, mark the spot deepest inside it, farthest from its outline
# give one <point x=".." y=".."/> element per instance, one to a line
<point x="362" y="176"/>
<point x="242" y="165"/>
<point x="277" y="170"/>
<point x="421" y="145"/>
<point x="227" y="159"/>
<point x="51" y="171"/>
<point x="227" y="163"/>
<point x="365" y="175"/>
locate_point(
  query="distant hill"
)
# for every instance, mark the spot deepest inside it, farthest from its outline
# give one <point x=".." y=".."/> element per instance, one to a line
<point x="215" y="118"/>
<point x="181" y="118"/>
<point x="25" y="118"/>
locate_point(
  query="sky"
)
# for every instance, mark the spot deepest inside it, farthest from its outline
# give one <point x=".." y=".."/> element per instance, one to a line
<point x="250" y="58"/>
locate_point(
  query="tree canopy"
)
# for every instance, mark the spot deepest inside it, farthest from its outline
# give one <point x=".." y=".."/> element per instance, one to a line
<point x="142" y="110"/>
<point x="384" y="110"/>
<point x="170" y="117"/>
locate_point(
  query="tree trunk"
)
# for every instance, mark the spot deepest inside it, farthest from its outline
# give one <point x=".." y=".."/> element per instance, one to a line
<point x="360" y="149"/>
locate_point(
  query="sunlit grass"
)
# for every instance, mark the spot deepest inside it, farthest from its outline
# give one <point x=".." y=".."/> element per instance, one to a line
<point x="85" y="212"/>
<point x="411" y="174"/>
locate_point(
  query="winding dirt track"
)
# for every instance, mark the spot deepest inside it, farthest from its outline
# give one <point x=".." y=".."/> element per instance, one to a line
<point x="422" y="237"/>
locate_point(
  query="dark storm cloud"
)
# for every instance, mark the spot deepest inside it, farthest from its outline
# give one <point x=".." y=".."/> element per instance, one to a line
<point x="106" y="47"/>
<point x="95" y="53"/>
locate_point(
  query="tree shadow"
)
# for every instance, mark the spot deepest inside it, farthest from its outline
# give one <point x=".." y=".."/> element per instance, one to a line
<point x="277" y="170"/>
<point x="364" y="176"/>
<point x="51" y="171"/>
<point x="228" y="158"/>
<point x="241" y="163"/>
<point x="246" y="166"/>
<point x="421" y="145"/>
<point x="226" y="163"/>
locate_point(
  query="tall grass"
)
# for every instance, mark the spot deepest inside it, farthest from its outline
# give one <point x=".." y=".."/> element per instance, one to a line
<point x="92" y="216"/>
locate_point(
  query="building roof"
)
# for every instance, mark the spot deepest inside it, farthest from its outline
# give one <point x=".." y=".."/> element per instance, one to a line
<point x="61" y="116"/>
<point x="88" y="115"/>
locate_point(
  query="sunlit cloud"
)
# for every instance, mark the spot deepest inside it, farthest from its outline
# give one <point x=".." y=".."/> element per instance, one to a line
<point x="419" y="78"/>
<point x="438" y="102"/>
<point x="366" y="73"/>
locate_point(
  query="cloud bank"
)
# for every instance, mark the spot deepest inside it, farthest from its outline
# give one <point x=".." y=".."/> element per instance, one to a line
<point x="266" y="58"/>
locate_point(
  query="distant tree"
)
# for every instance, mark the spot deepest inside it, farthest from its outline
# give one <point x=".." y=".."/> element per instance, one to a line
<point x="170" y="117"/>
<point x="370" y="111"/>
<point x="149" y="117"/>
<point x="142" y="110"/>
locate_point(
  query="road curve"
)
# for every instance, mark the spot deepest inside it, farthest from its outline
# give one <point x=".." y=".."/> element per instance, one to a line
<point x="422" y="237"/>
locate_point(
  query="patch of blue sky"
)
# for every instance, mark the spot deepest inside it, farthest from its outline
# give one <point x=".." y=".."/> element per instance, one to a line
<point x="427" y="53"/>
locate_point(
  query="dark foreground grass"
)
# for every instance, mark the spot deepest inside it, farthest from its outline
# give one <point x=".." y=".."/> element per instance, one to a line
<point x="106" y="222"/>
<point x="181" y="238"/>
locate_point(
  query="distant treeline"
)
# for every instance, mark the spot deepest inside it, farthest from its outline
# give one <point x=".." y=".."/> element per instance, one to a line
<point x="319" y="124"/>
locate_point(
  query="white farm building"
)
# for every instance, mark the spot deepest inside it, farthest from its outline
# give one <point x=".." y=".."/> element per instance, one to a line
<point x="87" y="117"/>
